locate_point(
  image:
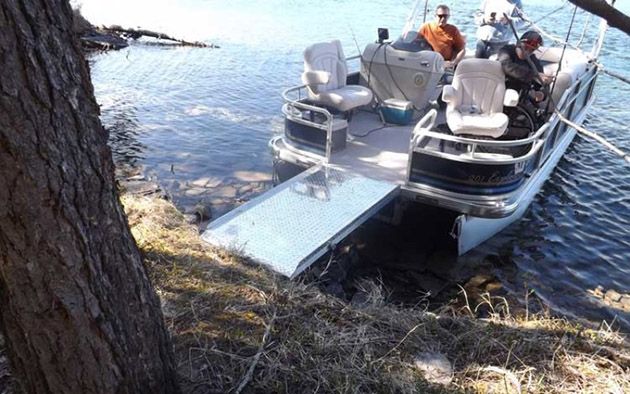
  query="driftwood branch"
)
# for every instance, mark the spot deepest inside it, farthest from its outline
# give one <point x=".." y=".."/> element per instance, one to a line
<point x="137" y="33"/>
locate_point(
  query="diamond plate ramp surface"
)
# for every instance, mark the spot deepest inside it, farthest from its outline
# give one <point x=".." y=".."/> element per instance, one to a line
<point x="290" y="226"/>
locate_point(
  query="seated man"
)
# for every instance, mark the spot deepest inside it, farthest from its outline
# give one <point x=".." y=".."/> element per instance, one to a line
<point x="494" y="32"/>
<point x="523" y="71"/>
<point x="444" y="38"/>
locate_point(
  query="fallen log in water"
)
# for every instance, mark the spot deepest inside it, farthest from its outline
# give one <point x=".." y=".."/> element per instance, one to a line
<point x="137" y="33"/>
<point x="115" y="36"/>
<point x="94" y="40"/>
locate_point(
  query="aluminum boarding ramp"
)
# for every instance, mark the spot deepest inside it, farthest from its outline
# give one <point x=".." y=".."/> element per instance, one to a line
<point x="289" y="227"/>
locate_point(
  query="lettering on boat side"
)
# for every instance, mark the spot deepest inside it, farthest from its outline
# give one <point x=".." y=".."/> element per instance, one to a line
<point x="496" y="178"/>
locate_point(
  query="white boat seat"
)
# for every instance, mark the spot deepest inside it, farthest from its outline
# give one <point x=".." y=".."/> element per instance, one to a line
<point x="325" y="74"/>
<point x="476" y="98"/>
<point x="574" y="64"/>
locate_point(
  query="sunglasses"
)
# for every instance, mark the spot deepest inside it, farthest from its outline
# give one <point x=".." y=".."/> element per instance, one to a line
<point x="442" y="15"/>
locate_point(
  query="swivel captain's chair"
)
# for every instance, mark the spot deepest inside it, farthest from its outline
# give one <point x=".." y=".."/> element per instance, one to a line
<point x="325" y="73"/>
<point x="476" y="99"/>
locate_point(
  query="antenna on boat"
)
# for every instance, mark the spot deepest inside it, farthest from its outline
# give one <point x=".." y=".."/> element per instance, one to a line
<point x="426" y="9"/>
<point x="412" y="15"/>
<point x="355" y="40"/>
<point x="564" y="48"/>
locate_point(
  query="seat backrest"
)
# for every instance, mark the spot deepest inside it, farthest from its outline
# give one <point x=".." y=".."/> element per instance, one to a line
<point x="574" y="65"/>
<point x="329" y="57"/>
<point x="480" y="86"/>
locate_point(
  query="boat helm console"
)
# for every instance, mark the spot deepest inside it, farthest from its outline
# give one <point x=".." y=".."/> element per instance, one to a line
<point x="406" y="70"/>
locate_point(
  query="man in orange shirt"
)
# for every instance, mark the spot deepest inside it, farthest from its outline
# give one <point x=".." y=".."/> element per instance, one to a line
<point x="444" y="38"/>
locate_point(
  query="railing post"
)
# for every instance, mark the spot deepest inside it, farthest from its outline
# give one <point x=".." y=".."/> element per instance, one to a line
<point x="329" y="130"/>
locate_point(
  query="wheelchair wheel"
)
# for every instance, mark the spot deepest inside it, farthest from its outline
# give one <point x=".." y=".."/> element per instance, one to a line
<point x="520" y="123"/>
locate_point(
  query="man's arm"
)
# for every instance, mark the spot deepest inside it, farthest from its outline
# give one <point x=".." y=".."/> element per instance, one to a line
<point x="541" y="77"/>
<point x="458" y="58"/>
<point x="459" y="48"/>
<point x="422" y="31"/>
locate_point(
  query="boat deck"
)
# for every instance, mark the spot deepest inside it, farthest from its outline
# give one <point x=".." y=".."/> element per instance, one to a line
<point x="377" y="150"/>
<point x="374" y="149"/>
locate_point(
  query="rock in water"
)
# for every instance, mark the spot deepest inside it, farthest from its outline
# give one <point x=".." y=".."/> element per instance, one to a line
<point x="612" y="296"/>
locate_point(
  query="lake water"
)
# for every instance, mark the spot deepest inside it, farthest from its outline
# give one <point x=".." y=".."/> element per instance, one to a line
<point x="198" y="120"/>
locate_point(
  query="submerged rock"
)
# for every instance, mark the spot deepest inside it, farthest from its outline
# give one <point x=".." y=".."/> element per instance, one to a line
<point x="225" y="191"/>
<point x="141" y="188"/>
<point x="208" y="182"/>
<point x="195" y="192"/>
<point x="612" y="296"/>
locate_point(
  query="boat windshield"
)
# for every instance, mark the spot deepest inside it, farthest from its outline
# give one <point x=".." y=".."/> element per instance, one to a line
<point x="409" y="39"/>
<point x="415" y="19"/>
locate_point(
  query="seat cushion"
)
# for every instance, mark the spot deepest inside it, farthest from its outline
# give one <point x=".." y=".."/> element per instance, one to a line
<point x="492" y="125"/>
<point x="345" y="98"/>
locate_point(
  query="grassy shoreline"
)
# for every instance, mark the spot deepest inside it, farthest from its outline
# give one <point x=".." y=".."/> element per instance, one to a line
<point x="237" y="327"/>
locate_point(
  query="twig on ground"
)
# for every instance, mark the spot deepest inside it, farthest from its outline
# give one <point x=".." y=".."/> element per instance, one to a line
<point x="399" y="343"/>
<point x="252" y="366"/>
<point x="466" y="298"/>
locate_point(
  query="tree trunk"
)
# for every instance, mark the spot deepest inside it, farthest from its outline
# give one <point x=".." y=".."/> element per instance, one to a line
<point x="601" y="8"/>
<point x="76" y="305"/>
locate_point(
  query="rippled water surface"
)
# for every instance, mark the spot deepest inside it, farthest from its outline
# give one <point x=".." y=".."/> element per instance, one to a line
<point x="199" y="120"/>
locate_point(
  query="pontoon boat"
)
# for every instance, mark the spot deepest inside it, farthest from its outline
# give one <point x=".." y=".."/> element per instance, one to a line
<point x="381" y="135"/>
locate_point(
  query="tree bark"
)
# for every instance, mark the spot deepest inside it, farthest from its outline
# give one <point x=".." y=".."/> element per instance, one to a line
<point x="601" y="8"/>
<point x="76" y="305"/>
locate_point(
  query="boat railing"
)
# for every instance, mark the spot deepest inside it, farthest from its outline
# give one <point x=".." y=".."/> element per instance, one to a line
<point x="567" y="106"/>
<point x="573" y="101"/>
<point x="293" y="108"/>
<point x="422" y="131"/>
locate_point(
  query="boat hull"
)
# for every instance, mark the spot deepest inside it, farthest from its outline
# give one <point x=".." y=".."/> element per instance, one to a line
<point x="471" y="231"/>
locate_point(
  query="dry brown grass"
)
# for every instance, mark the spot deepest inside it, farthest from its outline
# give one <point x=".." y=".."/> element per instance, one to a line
<point x="238" y="328"/>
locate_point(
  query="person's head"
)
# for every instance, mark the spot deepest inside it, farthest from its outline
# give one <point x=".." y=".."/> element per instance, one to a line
<point x="530" y="41"/>
<point x="442" y="13"/>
